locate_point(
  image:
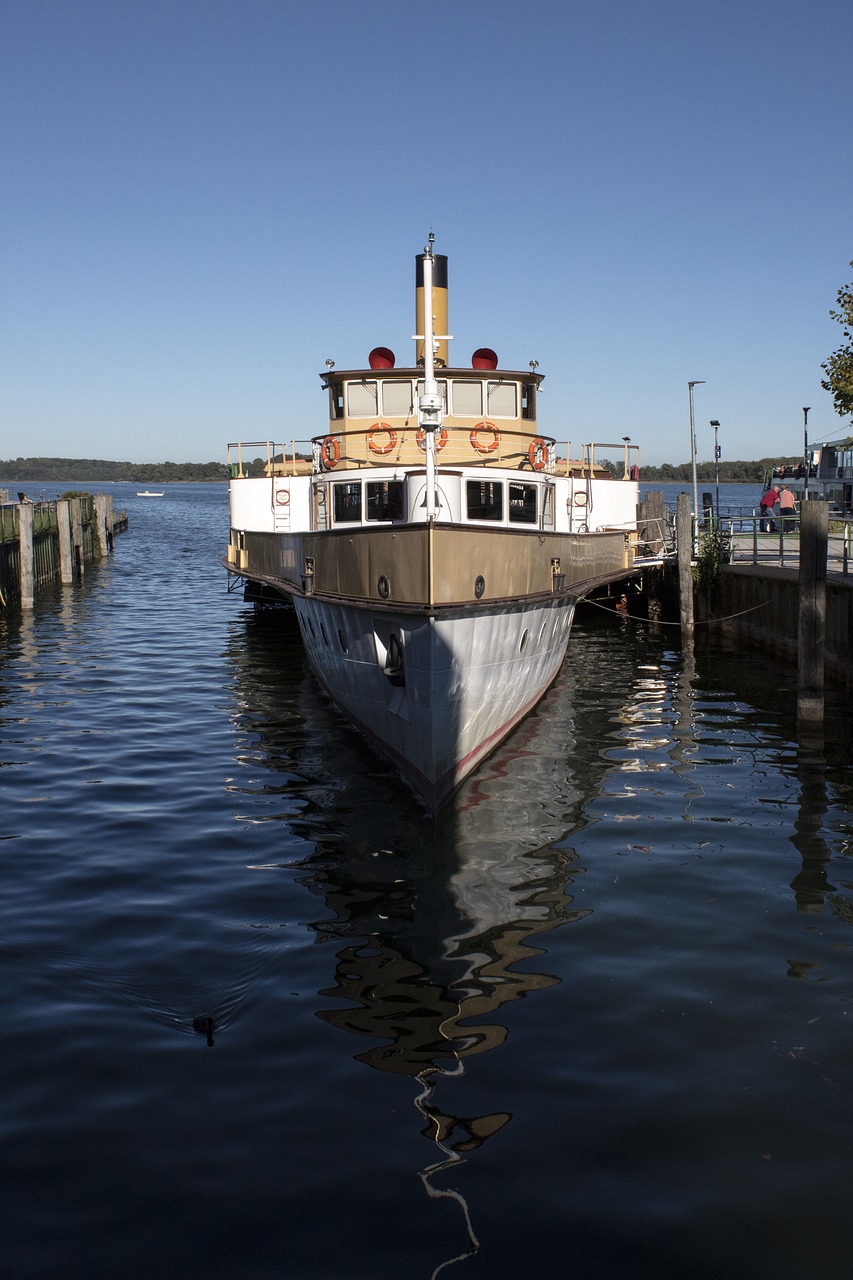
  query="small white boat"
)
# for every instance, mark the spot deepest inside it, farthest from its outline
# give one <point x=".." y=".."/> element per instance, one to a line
<point x="432" y="544"/>
<point x="148" y="493"/>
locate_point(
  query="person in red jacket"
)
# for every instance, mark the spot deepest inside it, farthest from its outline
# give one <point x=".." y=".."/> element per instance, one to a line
<point x="767" y="506"/>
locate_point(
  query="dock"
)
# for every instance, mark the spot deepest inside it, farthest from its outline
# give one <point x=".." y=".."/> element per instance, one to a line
<point x="43" y="543"/>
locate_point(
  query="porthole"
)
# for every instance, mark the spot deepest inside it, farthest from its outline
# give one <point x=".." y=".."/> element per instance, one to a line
<point x="522" y="644"/>
<point x="383" y="586"/>
<point x="479" y="586"/>
<point x="343" y="641"/>
<point x="325" y="637"/>
<point x="542" y="631"/>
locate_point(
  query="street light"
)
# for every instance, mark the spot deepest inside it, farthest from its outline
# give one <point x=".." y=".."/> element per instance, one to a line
<point x="806" y="451"/>
<point x="715" y="424"/>
<point x="697" y="382"/>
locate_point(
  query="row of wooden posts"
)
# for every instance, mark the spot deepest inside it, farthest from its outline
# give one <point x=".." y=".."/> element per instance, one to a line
<point x="811" y="616"/>
<point x="53" y="543"/>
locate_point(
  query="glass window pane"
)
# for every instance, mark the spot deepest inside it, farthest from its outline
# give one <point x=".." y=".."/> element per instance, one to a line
<point x="385" y="499"/>
<point x="442" y="391"/>
<point x="361" y="400"/>
<point x="528" y="401"/>
<point x="522" y="503"/>
<point x="485" y="499"/>
<point x="502" y="400"/>
<point x="397" y="399"/>
<point x="467" y="398"/>
<point x="347" y="502"/>
<point x="336" y="400"/>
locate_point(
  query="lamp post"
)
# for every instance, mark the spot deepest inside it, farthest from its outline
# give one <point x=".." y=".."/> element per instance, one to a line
<point x="806" y="451"/>
<point x="697" y="382"/>
<point x="715" y="424"/>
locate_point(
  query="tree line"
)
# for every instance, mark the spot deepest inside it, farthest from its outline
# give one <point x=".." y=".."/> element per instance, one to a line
<point x="93" y="469"/>
<point x="729" y="472"/>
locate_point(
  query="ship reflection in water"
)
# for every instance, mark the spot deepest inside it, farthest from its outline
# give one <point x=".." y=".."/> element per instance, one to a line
<point x="439" y="926"/>
<point x="438" y="923"/>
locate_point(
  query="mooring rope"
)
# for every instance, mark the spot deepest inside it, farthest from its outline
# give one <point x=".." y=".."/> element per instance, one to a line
<point x="705" y="622"/>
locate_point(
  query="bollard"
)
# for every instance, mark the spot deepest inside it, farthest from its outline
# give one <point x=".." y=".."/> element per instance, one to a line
<point x="811" y="638"/>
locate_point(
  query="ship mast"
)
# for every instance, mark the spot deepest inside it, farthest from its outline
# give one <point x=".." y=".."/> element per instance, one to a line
<point x="429" y="404"/>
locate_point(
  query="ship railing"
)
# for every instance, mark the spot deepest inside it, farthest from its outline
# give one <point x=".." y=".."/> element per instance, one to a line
<point x="628" y="463"/>
<point x="254" y="459"/>
<point x="488" y="442"/>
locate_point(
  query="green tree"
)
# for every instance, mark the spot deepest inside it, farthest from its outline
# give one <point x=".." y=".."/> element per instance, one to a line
<point x="839" y="367"/>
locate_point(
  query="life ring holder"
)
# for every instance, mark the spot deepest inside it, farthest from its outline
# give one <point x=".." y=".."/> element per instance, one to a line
<point x="330" y="452"/>
<point x="537" y="454"/>
<point x="381" y="429"/>
<point x="481" y="427"/>
<point x="440" y="438"/>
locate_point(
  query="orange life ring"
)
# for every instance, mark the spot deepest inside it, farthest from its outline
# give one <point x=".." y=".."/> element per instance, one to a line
<point x="537" y="454"/>
<point x="441" y="439"/>
<point x="330" y="451"/>
<point x="382" y="429"/>
<point x="485" y="426"/>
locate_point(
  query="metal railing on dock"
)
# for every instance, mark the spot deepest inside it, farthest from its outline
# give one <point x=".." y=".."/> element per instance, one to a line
<point x="753" y="542"/>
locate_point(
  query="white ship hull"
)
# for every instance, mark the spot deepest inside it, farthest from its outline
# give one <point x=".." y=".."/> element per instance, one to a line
<point x="454" y="687"/>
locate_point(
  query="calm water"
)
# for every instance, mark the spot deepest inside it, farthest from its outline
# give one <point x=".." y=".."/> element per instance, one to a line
<point x="261" y="1019"/>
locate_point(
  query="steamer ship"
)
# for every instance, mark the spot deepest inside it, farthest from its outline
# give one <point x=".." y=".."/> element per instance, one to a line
<point x="432" y="545"/>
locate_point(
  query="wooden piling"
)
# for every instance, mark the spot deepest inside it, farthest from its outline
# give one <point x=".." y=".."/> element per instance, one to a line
<point x="684" y="547"/>
<point x="77" y="535"/>
<point x="100" y="504"/>
<point x="25" y="546"/>
<point x="63" y="524"/>
<point x="811" y="643"/>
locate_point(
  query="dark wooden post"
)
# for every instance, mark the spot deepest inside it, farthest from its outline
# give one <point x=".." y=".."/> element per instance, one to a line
<point x="814" y="528"/>
<point x="684" y="541"/>
<point x="77" y="536"/>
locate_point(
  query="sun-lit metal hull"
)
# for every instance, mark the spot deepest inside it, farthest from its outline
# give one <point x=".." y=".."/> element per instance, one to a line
<point x="438" y="697"/>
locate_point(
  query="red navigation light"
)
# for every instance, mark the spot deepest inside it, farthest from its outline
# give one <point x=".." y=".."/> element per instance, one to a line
<point x="484" y="358"/>
<point x="381" y="358"/>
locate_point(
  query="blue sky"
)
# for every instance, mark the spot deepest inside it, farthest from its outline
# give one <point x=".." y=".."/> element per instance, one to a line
<point x="202" y="200"/>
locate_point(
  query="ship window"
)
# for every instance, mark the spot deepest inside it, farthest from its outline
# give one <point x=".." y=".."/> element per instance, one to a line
<point x="336" y="400"/>
<point x="522" y="503"/>
<point x="385" y="499"/>
<point x="528" y="401"/>
<point x="467" y="398"/>
<point x="362" y="399"/>
<point x="442" y="391"/>
<point x="347" y="502"/>
<point x="502" y="400"/>
<point x="485" y="500"/>
<point x="397" y="399"/>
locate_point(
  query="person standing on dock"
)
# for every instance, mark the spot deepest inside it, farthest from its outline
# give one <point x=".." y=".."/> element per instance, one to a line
<point x="787" y="508"/>
<point x="767" y="506"/>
